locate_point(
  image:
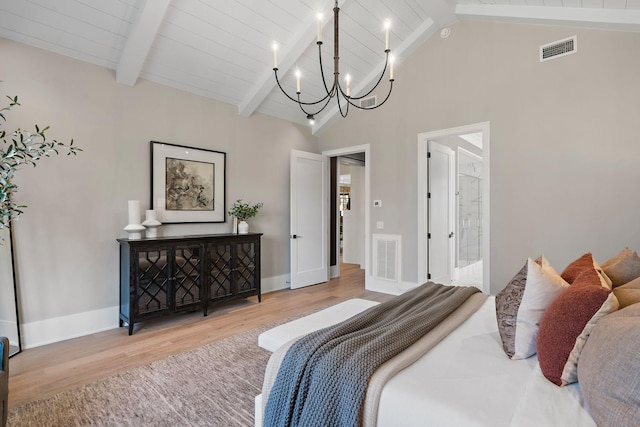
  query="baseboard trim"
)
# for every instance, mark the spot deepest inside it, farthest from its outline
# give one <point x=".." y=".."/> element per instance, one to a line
<point x="334" y="271"/>
<point x="43" y="332"/>
<point x="386" y="286"/>
<point x="275" y="283"/>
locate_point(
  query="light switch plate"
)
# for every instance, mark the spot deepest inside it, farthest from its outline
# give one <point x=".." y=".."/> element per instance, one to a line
<point x="380" y="225"/>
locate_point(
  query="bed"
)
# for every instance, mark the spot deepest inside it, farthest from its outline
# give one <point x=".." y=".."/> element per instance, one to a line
<point x="467" y="380"/>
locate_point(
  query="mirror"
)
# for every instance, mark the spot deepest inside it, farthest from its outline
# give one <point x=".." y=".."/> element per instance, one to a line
<point x="9" y="320"/>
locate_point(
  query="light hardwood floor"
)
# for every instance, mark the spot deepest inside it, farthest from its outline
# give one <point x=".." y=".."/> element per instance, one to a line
<point x="44" y="371"/>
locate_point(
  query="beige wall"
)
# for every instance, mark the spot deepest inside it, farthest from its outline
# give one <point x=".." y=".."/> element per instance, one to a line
<point x="564" y="155"/>
<point x="77" y="207"/>
<point x="564" y="148"/>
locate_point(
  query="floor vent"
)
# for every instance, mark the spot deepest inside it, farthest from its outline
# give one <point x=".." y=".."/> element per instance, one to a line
<point x="560" y="48"/>
<point x="369" y="102"/>
<point x="386" y="257"/>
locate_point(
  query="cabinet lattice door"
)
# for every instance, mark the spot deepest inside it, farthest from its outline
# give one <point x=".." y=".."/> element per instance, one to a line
<point x="164" y="275"/>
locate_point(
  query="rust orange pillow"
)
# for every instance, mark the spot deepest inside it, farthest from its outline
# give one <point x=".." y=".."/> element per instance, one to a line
<point x="585" y="262"/>
<point x="566" y="324"/>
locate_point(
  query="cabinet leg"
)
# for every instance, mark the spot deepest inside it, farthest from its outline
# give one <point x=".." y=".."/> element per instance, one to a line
<point x="130" y="328"/>
<point x="121" y="323"/>
<point x="259" y="297"/>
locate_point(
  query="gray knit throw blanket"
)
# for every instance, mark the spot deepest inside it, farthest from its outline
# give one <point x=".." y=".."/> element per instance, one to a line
<point x="323" y="377"/>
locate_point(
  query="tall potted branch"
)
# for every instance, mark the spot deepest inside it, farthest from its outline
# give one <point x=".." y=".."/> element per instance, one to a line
<point x="19" y="148"/>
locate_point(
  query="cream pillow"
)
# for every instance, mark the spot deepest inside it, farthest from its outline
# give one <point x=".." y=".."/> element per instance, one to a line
<point x="629" y="293"/>
<point x="623" y="268"/>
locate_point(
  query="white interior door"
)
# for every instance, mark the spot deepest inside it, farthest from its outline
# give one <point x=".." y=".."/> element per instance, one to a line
<point x="441" y="184"/>
<point x="309" y="213"/>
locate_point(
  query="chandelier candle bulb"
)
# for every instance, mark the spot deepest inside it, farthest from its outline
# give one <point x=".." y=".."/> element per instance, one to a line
<point x="387" y="25"/>
<point x="391" y="61"/>
<point x="297" y="81"/>
<point x="319" y="28"/>
<point x="348" y="79"/>
<point x="275" y="55"/>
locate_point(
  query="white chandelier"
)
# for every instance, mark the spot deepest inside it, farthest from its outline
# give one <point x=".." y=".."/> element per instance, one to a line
<point x="312" y="108"/>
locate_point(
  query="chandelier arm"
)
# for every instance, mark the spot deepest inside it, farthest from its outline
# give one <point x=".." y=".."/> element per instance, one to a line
<point x="327" y="100"/>
<point x="324" y="82"/>
<point x="340" y="106"/>
<point x="377" y="105"/>
<point x="386" y="63"/>
<point x="297" y="100"/>
<point x="301" y="106"/>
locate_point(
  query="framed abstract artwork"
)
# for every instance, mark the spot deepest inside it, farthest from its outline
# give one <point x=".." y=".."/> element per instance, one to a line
<point x="187" y="183"/>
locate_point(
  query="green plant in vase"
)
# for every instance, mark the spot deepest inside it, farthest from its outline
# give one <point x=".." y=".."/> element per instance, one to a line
<point x="243" y="211"/>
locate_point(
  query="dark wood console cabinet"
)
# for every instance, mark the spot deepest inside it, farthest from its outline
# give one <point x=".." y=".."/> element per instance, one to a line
<point x="166" y="275"/>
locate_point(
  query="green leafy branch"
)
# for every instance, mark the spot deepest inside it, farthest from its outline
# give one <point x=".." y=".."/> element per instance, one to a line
<point x="243" y="211"/>
<point x="19" y="148"/>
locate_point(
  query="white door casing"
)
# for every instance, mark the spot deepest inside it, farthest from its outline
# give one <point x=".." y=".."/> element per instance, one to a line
<point x="309" y="213"/>
<point x="441" y="206"/>
<point x="423" y="138"/>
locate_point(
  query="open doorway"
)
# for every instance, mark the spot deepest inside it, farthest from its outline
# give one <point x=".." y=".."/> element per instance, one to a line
<point x="349" y="234"/>
<point x="350" y="210"/>
<point x="453" y="209"/>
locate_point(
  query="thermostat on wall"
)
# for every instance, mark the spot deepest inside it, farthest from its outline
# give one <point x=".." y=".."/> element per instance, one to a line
<point x="377" y="203"/>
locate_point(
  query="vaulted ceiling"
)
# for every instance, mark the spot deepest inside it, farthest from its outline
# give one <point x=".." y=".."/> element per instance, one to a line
<point x="221" y="49"/>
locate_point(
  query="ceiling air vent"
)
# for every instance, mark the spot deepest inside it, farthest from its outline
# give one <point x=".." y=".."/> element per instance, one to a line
<point x="369" y="102"/>
<point x="559" y="48"/>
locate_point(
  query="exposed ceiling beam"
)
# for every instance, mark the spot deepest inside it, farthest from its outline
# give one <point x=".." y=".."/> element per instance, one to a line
<point x="286" y="59"/>
<point x="139" y="42"/>
<point x="612" y="19"/>
<point x="405" y="49"/>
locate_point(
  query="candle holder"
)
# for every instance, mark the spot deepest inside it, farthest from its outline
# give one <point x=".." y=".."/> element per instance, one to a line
<point x="151" y="224"/>
<point x="134" y="228"/>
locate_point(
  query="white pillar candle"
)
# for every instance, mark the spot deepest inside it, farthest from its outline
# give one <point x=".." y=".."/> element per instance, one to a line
<point x="297" y="81"/>
<point x="387" y="25"/>
<point x="134" y="211"/>
<point x="319" y="27"/>
<point x="275" y="55"/>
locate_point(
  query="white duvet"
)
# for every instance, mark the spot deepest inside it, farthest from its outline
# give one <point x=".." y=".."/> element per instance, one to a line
<point x="467" y="380"/>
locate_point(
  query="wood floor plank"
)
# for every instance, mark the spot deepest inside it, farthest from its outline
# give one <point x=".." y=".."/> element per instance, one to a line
<point x="41" y="372"/>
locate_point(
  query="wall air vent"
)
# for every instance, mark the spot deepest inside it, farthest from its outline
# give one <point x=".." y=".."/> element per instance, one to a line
<point x="386" y="257"/>
<point x="560" y="48"/>
<point x="369" y="102"/>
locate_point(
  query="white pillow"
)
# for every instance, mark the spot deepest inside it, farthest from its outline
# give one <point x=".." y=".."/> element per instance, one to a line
<point x="520" y="305"/>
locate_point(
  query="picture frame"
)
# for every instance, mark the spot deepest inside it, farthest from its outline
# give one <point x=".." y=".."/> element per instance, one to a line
<point x="188" y="184"/>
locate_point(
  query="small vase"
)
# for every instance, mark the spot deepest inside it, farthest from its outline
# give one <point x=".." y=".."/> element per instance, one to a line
<point x="243" y="227"/>
<point x="151" y="224"/>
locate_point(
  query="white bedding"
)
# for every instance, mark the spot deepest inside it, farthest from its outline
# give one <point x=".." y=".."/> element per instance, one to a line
<point x="467" y="380"/>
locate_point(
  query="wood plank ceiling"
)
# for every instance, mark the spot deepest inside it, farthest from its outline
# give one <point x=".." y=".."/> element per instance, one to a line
<point x="222" y="49"/>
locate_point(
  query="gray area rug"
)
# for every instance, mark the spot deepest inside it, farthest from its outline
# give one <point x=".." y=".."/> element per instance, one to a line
<point x="214" y="385"/>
